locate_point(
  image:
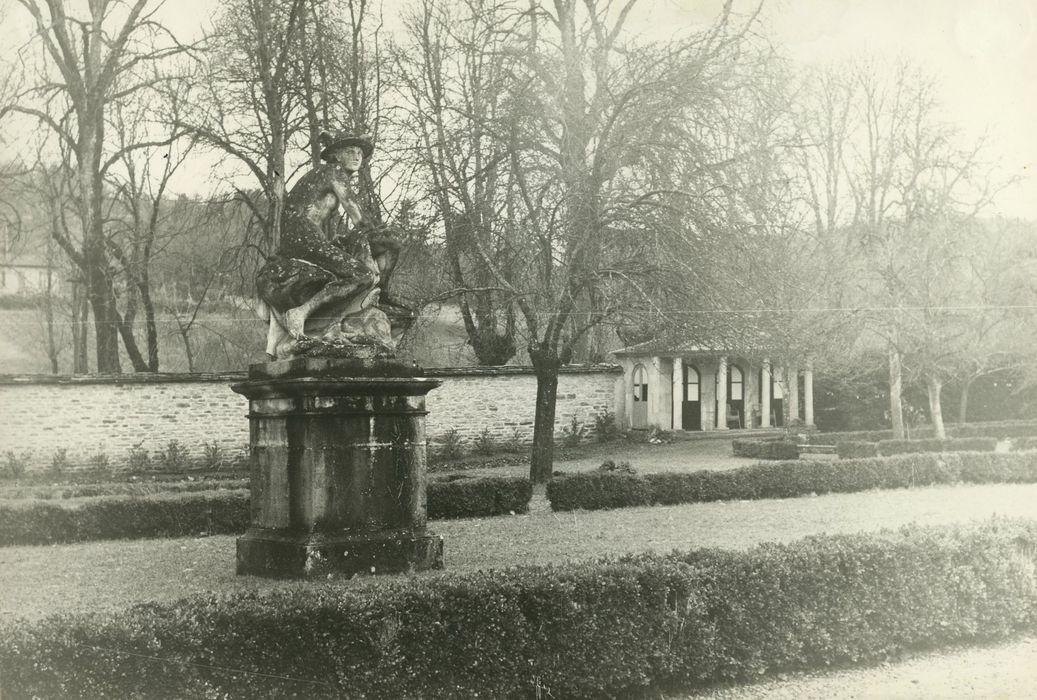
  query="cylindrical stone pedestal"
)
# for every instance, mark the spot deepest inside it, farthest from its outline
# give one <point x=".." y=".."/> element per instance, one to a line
<point x="338" y="469"/>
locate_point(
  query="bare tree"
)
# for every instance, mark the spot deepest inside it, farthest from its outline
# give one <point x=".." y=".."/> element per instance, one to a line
<point x="586" y="135"/>
<point x="456" y="92"/>
<point x="89" y="63"/>
<point x="144" y="217"/>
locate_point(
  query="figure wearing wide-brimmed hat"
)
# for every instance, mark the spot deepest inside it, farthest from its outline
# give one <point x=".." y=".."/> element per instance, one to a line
<point x="313" y="288"/>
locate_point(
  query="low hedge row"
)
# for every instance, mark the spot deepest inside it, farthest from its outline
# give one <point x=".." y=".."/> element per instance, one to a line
<point x="995" y="429"/>
<point x="1025" y="443"/>
<point x="608" y="629"/>
<point x="889" y="448"/>
<point x="476" y="498"/>
<point x="998" y="429"/>
<point x="764" y="449"/>
<point x="118" y="517"/>
<point x="855" y="449"/>
<point x="118" y="488"/>
<point x="595" y="491"/>
<point x="35" y="522"/>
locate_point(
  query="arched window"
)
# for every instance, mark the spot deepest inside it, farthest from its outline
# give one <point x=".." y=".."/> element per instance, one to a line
<point x="691" y="383"/>
<point x="640" y="383"/>
<point x="736" y="388"/>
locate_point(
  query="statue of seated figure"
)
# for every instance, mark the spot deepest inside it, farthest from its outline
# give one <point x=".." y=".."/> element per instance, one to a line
<point x="328" y="296"/>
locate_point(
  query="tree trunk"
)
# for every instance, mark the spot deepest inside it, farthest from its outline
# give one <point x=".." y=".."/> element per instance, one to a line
<point x="149" y="320"/>
<point x="95" y="258"/>
<point x="546" y="365"/>
<point x="896" y="405"/>
<point x="934" y="386"/>
<point x="48" y="313"/>
<point x="102" y="303"/>
<point x="80" y="364"/>
<point x="963" y="402"/>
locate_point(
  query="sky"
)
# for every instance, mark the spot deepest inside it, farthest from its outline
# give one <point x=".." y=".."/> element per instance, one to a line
<point x="984" y="52"/>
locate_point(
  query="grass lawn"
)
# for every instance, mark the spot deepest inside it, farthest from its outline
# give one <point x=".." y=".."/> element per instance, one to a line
<point x="35" y="581"/>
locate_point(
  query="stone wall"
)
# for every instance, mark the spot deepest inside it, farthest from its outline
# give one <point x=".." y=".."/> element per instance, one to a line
<point x="40" y="415"/>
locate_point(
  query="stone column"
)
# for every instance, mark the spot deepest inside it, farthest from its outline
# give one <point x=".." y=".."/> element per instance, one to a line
<point x="678" y="392"/>
<point x="808" y="395"/>
<point x="658" y="402"/>
<point x="765" y="394"/>
<point x="337" y="463"/>
<point x="792" y="393"/>
<point x="722" y="394"/>
<point x="628" y="395"/>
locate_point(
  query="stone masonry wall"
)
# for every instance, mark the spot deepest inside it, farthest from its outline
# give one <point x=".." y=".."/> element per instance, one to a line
<point x="88" y="416"/>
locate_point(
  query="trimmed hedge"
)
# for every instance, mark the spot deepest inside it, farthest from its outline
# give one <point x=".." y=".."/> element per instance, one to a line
<point x="855" y="450"/>
<point x="117" y="517"/>
<point x="996" y="429"/>
<point x="36" y="522"/>
<point x="476" y="498"/>
<point x="118" y="488"/>
<point x="595" y="491"/>
<point x="764" y="449"/>
<point x="608" y="629"/>
<point x="974" y="444"/>
<point x="888" y="448"/>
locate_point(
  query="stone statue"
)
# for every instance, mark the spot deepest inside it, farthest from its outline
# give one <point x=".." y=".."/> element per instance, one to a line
<point x="328" y="295"/>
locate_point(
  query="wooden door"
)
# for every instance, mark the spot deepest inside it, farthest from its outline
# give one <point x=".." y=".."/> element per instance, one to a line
<point x="691" y="405"/>
<point x="639" y="414"/>
<point x="736" y="393"/>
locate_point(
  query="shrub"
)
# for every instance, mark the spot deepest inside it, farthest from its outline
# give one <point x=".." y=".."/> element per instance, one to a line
<point x="99" y="462"/>
<point x="484" y="443"/>
<point x="212" y="456"/>
<point x="610" y="466"/>
<point x="473" y="498"/>
<point x="976" y="444"/>
<point x="572" y="434"/>
<point x="764" y="449"/>
<point x="450" y="447"/>
<point x="515" y="443"/>
<point x="59" y="463"/>
<point x="174" y="458"/>
<point x="138" y="459"/>
<point x="16" y="464"/>
<point x="606" y="629"/>
<point x="596" y="490"/>
<point x="605" y="428"/>
<point x="855" y="450"/>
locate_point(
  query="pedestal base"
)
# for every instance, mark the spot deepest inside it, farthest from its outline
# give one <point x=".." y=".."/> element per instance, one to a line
<point x="337" y="454"/>
<point x="281" y="554"/>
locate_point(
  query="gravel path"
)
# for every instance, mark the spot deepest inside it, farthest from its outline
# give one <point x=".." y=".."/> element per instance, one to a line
<point x="35" y="581"/>
<point x="1004" y="671"/>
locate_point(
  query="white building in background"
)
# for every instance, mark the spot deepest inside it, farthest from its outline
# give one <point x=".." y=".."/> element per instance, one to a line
<point x="23" y="277"/>
<point x="24" y="265"/>
<point x="691" y="387"/>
